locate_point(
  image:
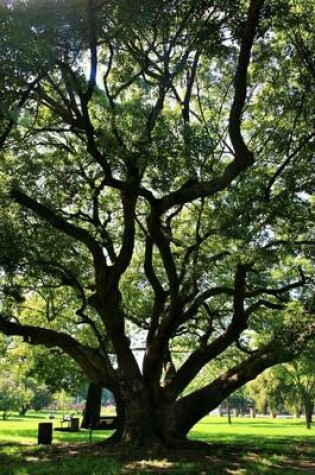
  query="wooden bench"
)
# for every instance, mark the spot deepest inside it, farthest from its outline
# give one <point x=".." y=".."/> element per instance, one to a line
<point x="73" y="424"/>
<point x="66" y="419"/>
<point x="105" y="423"/>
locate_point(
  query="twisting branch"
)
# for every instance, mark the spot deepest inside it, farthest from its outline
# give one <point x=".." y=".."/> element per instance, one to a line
<point x="68" y="278"/>
<point x="106" y="75"/>
<point x="58" y="222"/>
<point x="73" y="87"/>
<point x="305" y="141"/>
<point x="263" y="303"/>
<point x="190" y="82"/>
<point x="280" y="290"/>
<point x="149" y="269"/>
<point x="160" y="294"/>
<point x="92" y="28"/>
<point x="24" y="97"/>
<point x="243" y="157"/>
<point x="163" y="244"/>
<point x="62" y="109"/>
<point x="129" y="201"/>
<point x="196" y="361"/>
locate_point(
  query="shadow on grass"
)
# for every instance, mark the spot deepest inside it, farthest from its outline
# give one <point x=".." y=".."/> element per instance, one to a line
<point x="97" y="459"/>
<point x="32" y="465"/>
<point x="93" y="459"/>
<point x="277" y="442"/>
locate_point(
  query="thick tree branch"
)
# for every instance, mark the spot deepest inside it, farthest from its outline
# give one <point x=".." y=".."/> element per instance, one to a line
<point x="285" y="347"/>
<point x="193" y="407"/>
<point x="91" y="360"/>
<point x="243" y="157"/>
<point x="149" y="269"/>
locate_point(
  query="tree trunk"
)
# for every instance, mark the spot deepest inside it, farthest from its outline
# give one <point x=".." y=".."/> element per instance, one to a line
<point x="24" y="410"/>
<point x="228" y="407"/>
<point x="141" y="418"/>
<point x="144" y="422"/>
<point x="308" y="408"/>
<point x="92" y="410"/>
<point x="273" y="413"/>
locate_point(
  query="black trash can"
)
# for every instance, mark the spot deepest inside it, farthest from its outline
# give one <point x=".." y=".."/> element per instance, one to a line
<point x="45" y="433"/>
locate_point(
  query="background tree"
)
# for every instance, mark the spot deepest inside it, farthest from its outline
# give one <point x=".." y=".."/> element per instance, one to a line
<point x="21" y="390"/>
<point x="41" y="372"/>
<point x="54" y="369"/>
<point x="156" y="173"/>
<point x="298" y="379"/>
<point x="13" y="395"/>
<point x="290" y="385"/>
<point x="266" y="392"/>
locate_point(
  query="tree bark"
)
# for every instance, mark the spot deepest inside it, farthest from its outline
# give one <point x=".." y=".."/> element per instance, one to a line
<point x="141" y="419"/>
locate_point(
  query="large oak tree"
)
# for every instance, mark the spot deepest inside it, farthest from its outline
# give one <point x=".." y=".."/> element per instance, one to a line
<point x="156" y="172"/>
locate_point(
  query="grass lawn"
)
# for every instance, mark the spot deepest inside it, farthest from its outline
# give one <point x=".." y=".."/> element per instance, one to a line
<point x="247" y="446"/>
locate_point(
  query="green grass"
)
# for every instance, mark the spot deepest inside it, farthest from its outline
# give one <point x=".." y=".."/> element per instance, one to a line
<point x="247" y="446"/>
<point x="25" y="429"/>
<point x="251" y="431"/>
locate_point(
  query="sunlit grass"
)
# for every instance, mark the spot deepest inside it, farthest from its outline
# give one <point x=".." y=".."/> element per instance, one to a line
<point x="251" y="431"/>
<point x="25" y="430"/>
